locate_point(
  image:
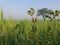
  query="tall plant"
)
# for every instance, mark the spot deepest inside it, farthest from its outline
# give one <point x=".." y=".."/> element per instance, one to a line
<point x="34" y="28"/>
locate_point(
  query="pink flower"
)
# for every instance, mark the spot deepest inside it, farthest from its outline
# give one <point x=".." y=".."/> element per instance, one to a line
<point x="34" y="18"/>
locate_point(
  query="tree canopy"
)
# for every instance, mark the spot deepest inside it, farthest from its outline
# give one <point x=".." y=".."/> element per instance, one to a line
<point x="31" y="11"/>
<point x="48" y="13"/>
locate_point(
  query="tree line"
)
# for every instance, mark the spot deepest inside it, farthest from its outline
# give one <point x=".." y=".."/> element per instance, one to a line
<point x="45" y="13"/>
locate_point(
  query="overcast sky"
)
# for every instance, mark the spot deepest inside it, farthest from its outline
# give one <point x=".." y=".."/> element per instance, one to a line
<point x="17" y="9"/>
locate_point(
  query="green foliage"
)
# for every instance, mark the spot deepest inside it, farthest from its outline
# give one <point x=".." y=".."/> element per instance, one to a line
<point x="31" y="11"/>
<point x="22" y="33"/>
<point x="42" y="11"/>
<point x="48" y="13"/>
<point x="2" y="18"/>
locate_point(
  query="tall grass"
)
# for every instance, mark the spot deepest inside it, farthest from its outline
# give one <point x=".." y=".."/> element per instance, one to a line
<point x="22" y="33"/>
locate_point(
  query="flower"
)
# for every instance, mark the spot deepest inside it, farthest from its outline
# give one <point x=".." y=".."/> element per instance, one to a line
<point x="34" y="18"/>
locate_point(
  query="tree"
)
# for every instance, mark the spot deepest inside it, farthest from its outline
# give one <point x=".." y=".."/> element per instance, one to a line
<point x="34" y="28"/>
<point x="31" y="11"/>
<point x="43" y="12"/>
<point x="48" y="13"/>
<point x="53" y="14"/>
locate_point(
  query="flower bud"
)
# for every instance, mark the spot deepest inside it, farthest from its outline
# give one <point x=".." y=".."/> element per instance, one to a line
<point x="34" y="18"/>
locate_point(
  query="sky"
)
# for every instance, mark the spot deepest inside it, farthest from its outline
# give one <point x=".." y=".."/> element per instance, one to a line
<point x="17" y="9"/>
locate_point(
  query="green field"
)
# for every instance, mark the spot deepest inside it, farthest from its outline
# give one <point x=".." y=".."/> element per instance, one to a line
<point x="23" y="33"/>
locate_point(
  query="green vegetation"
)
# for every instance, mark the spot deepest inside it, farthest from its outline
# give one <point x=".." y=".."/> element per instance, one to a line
<point x="24" y="33"/>
<point x="48" y="13"/>
<point x="21" y="33"/>
<point x="31" y="11"/>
